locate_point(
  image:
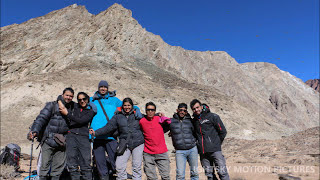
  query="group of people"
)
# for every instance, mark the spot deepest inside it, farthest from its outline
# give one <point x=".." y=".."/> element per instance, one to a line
<point x="66" y="129"/>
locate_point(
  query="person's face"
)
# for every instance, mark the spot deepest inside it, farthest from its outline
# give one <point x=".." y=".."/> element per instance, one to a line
<point x="82" y="100"/>
<point x="151" y="111"/>
<point x="197" y="109"/>
<point x="103" y="90"/>
<point x="67" y="96"/>
<point x="182" y="112"/>
<point x="127" y="107"/>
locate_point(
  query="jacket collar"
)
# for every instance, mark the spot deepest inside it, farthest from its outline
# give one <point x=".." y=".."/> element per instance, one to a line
<point x="176" y="116"/>
<point x="97" y="95"/>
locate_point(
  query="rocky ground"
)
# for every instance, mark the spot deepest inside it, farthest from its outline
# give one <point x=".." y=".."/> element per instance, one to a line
<point x="296" y="155"/>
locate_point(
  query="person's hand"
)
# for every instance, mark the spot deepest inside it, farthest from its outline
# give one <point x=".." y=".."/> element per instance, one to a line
<point x="91" y="131"/>
<point x="161" y="114"/>
<point x="32" y="135"/>
<point x="63" y="110"/>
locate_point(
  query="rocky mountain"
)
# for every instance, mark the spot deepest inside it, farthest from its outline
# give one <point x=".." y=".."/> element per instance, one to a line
<point x="71" y="47"/>
<point x="314" y="83"/>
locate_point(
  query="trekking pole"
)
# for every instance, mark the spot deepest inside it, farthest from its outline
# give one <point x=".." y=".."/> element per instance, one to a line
<point x="32" y="140"/>
<point x="92" y="159"/>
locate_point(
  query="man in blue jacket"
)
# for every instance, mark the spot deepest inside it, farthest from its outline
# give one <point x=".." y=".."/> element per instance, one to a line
<point x="106" y="103"/>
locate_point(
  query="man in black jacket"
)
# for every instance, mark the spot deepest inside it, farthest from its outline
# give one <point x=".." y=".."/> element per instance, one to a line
<point x="53" y="125"/>
<point x="210" y="135"/>
<point x="184" y="142"/>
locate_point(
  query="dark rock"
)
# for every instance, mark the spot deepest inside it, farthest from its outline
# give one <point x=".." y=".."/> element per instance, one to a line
<point x="314" y="83"/>
<point x="287" y="177"/>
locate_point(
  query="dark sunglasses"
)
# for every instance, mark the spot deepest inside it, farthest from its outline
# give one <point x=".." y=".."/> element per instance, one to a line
<point x="151" y="110"/>
<point x="184" y="110"/>
<point x="83" y="99"/>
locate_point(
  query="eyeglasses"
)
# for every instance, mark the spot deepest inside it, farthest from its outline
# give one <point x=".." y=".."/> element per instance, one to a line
<point x="184" y="110"/>
<point x="151" y="110"/>
<point x="83" y="99"/>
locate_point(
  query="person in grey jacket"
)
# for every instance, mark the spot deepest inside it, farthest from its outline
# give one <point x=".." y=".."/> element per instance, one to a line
<point x="53" y="125"/>
<point x="182" y="133"/>
<point x="131" y="140"/>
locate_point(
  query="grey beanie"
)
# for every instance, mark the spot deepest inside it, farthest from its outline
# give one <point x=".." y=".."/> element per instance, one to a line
<point x="103" y="83"/>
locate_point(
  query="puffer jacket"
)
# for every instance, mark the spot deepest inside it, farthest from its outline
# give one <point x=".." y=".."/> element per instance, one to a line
<point x="110" y="103"/>
<point x="80" y="119"/>
<point x="127" y="126"/>
<point x="210" y="131"/>
<point x="182" y="132"/>
<point x="51" y="121"/>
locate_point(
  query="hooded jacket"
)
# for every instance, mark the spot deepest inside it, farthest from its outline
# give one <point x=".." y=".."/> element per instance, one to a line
<point x="210" y="131"/>
<point x="127" y="125"/>
<point x="110" y="103"/>
<point x="182" y="132"/>
<point x="50" y="121"/>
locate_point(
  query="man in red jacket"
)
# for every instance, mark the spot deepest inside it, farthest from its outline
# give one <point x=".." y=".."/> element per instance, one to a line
<point x="155" y="149"/>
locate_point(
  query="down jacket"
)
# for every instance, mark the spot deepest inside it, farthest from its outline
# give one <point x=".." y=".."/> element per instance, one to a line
<point x="182" y="132"/>
<point x="127" y="126"/>
<point x="210" y="131"/>
<point x="50" y="121"/>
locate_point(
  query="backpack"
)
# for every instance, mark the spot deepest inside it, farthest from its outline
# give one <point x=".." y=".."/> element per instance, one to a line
<point x="10" y="155"/>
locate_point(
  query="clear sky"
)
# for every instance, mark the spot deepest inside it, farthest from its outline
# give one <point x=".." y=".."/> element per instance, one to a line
<point x="282" y="32"/>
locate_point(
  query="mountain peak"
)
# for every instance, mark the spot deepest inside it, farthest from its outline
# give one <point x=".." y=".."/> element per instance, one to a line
<point x="116" y="10"/>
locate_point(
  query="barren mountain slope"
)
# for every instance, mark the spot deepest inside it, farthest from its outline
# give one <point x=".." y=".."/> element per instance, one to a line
<point x="71" y="47"/>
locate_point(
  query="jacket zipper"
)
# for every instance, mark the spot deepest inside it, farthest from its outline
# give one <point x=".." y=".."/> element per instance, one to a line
<point x="181" y="129"/>
<point x="201" y="136"/>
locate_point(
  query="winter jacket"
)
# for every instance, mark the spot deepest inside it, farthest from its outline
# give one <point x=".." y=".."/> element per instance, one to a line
<point x="182" y="132"/>
<point x="127" y="125"/>
<point x="154" y="142"/>
<point x="210" y="131"/>
<point x="110" y="103"/>
<point x="51" y="121"/>
<point x="80" y="119"/>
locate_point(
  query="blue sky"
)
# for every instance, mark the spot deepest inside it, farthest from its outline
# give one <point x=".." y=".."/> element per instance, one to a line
<point x="282" y="32"/>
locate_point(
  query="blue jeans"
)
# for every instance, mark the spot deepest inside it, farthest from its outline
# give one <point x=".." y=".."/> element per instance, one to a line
<point x="191" y="156"/>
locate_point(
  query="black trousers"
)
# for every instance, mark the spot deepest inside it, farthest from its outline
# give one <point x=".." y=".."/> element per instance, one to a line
<point x="105" y="165"/>
<point x="79" y="155"/>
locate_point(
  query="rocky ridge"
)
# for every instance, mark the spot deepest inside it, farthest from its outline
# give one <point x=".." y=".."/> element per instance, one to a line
<point x="71" y="47"/>
<point x="314" y="84"/>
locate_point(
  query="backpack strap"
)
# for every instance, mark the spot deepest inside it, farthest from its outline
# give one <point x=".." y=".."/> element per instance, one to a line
<point x="104" y="111"/>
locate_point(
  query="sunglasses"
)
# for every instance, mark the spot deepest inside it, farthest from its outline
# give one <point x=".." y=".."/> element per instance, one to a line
<point x="151" y="110"/>
<point x="83" y="99"/>
<point x="182" y="110"/>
